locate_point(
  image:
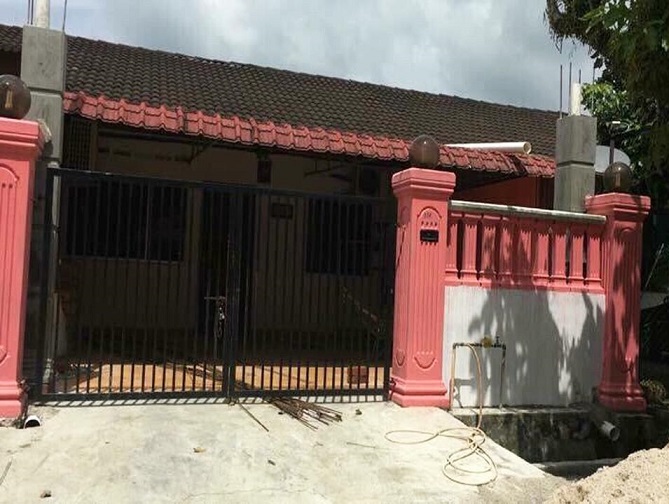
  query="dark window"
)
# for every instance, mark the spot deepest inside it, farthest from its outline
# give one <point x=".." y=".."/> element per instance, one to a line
<point x="118" y="219"/>
<point x="338" y="238"/>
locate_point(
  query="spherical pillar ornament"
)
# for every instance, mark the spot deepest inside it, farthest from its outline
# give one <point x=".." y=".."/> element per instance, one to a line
<point x="14" y="97"/>
<point x="618" y="177"/>
<point x="424" y="152"/>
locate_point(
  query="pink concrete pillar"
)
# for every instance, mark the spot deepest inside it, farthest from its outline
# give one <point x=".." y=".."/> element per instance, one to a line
<point x="423" y="196"/>
<point x="21" y="143"/>
<point x="619" y="388"/>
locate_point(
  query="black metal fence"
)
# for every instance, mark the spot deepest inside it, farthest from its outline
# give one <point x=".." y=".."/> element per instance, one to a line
<point x="655" y="320"/>
<point x="170" y="287"/>
<point x="654" y="330"/>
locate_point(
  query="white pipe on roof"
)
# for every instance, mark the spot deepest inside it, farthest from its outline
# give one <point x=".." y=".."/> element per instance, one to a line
<point x="575" y="103"/>
<point x="517" y="147"/>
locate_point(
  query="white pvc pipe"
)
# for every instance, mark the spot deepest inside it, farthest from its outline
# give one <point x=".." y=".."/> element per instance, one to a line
<point x="42" y="13"/>
<point x="517" y="147"/>
<point x="575" y="103"/>
<point x="32" y="421"/>
<point x="609" y="430"/>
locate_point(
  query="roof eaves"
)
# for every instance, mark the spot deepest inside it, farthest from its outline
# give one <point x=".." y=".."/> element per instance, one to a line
<point x="285" y="136"/>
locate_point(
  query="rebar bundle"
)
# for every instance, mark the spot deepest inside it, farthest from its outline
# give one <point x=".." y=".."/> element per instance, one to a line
<point x="305" y="412"/>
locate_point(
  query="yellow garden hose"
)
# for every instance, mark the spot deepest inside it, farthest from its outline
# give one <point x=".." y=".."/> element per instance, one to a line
<point x="455" y="468"/>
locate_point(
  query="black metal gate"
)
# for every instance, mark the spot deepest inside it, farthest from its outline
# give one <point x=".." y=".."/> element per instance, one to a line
<point x="161" y="287"/>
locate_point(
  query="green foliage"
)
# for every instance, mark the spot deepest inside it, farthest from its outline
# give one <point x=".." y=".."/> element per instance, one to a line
<point x="630" y="39"/>
<point x="609" y="104"/>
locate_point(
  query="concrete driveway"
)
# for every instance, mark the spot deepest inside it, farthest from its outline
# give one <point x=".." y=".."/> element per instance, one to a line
<point x="201" y="453"/>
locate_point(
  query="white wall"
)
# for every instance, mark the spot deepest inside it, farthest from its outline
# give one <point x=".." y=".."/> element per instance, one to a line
<point x="553" y="345"/>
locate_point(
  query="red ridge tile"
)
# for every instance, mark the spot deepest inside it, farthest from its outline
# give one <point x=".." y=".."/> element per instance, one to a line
<point x="285" y="136"/>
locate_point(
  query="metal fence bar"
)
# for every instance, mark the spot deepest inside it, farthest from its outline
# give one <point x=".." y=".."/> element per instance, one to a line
<point x="293" y="299"/>
<point x="77" y="328"/>
<point x="178" y="300"/>
<point x="233" y="290"/>
<point x="301" y="316"/>
<point x="299" y="273"/>
<point x="113" y="215"/>
<point x="190" y="293"/>
<point x="125" y="256"/>
<point x="274" y="333"/>
<point x="156" y="201"/>
<point x="44" y="323"/>
<point x="170" y="311"/>
<point x="145" y="257"/>
<point x="219" y="259"/>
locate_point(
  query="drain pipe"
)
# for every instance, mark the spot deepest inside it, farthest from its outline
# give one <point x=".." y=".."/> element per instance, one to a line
<point x="510" y="147"/>
<point x="599" y="417"/>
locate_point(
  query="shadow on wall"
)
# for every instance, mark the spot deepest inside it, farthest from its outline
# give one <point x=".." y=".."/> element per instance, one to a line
<point x="553" y="342"/>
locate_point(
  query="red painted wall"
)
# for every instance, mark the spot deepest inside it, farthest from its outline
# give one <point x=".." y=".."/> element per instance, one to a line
<point x="527" y="191"/>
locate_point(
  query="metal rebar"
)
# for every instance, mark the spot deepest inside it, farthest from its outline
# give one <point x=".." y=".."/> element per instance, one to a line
<point x="245" y="410"/>
<point x="4" y="473"/>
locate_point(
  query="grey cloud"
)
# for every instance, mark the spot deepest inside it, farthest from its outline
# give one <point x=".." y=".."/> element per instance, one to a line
<point x="493" y="50"/>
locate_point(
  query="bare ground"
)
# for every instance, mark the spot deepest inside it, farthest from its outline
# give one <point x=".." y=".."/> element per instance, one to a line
<point x="641" y="478"/>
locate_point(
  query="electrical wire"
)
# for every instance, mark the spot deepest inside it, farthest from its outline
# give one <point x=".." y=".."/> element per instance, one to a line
<point x="455" y="468"/>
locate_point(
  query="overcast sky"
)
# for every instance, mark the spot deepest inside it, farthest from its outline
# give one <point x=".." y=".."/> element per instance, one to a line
<point x="493" y="50"/>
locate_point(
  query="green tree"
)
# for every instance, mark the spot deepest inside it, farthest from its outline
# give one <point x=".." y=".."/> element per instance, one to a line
<point x="630" y="40"/>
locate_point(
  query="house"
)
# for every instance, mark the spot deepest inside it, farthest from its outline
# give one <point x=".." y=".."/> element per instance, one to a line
<point x="228" y="228"/>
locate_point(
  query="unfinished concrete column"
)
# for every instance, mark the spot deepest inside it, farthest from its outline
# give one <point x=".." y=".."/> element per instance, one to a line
<point x="575" y="148"/>
<point x="43" y="60"/>
<point x="423" y="198"/>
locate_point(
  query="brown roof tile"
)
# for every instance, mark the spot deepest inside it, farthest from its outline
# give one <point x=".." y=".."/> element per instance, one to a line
<point x="10" y="38"/>
<point x="217" y="89"/>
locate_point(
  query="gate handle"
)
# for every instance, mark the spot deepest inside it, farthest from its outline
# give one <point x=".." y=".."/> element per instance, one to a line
<point x="220" y="304"/>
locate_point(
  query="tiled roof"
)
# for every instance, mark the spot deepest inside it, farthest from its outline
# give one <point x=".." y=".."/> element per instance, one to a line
<point x="256" y="105"/>
<point x="10" y="38"/>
